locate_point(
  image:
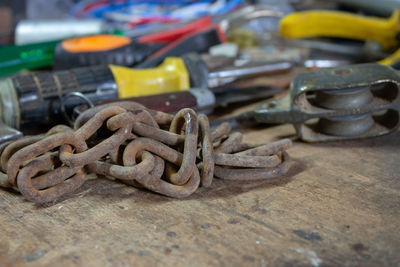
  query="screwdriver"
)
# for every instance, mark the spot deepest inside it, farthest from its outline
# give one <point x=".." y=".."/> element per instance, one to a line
<point x="34" y="99"/>
<point x="14" y="58"/>
<point x="196" y="36"/>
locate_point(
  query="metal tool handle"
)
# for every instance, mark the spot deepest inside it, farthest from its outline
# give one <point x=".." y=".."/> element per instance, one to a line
<point x="38" y="96"/>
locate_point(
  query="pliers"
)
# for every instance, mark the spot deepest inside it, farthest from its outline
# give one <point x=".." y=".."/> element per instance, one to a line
<point x="324" y="23"/>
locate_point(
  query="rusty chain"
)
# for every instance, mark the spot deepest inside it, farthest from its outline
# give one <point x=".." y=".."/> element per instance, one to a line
<point x="169" y="154"/>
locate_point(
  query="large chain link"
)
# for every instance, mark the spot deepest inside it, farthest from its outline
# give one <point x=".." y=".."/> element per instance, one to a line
<point x="128" y="142"/>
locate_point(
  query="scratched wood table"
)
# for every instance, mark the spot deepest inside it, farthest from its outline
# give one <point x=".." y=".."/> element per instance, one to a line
<point x="339" y="205"/>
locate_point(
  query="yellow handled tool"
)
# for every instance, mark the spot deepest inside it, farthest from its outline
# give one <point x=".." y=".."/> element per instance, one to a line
<point x="38" y="98"/>
<point x="323" y="23"/>
<point x="170" y="76"/>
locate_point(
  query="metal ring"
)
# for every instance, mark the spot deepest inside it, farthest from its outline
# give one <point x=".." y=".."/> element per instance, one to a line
<point x="68" y="95"/>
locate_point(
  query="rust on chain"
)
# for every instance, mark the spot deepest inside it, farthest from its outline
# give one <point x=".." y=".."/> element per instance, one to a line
<point x="4" y="180"/>
<point x="165" y="152"/>
<point x="132" y="117"/>
<point x="30" y="192"/>
<point x="222" y="130"/>
<point x="90" y="113"/>
<point x="153" y="181"/>
<point x="144" y="125"/>
<point x="160" y="117"/>
<point x="156" y="173"/>
<point x="158" y="134"/>
<point x="138" y="151"/>
<point x="36" y="149"/>
<point x="124" y="172"/>
<point x="246" y="161"/>
<point x="53" y="176"/>
<point x="95" y="122"/>
<point x="231" y="144"/>
<point x="248" y="174"/>
<point x="207" y="165"/>
<point x="256" y="157"/>
<point x="268" y="149"/>
<point x="185" y="119"/>
<point x="59" y="129"/>
<point x="3" y="175"/>
<point x="101" y="149"/>
<point x="13" y="147"/>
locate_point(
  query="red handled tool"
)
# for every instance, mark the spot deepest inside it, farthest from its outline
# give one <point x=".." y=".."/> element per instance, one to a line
<point x="105" y="49"/>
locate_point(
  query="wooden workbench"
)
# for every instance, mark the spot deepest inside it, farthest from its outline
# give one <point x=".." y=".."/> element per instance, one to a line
<point x="339" y="205"/>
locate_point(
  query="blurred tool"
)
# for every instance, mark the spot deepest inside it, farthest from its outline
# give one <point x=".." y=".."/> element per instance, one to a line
<point x="199" y="99"/>
<point x="110" y="49"/>
<point x="198" y="41"/>
<point x="190" y="37"/>
<point x="231" y="74"/>
<point x="322" y="23"/>
<point x="36" y="31"/>
<point x="101" y="50"/>
<point x="245" y="15"/>
<point x="299" y="57"/>
<point x="349" y="102"/>
<point x="381" y="7"/>
<point x="34" y="99"/>
<point x="197" y="36"/>
<point x="150" y="12"/>
<point x="230" y="21"/>
<point x="251" y="13"/>
<point x="225" y="50"/>
<point x="14" y="58"/>
<point x="351" y="51"/>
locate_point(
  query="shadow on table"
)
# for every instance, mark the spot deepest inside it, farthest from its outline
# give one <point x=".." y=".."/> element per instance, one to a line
<point x="104" y="188"/>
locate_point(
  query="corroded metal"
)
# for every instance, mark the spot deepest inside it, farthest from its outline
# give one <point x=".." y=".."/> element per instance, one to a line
<point x="248" y="174"/>
<point x="71" y="179"/>
<point x="129" y="142"/>
<point x="207" y="166"/>
<point x="185" y="119"/>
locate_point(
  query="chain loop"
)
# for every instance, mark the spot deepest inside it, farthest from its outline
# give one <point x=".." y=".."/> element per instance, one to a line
<point x="130" y="143"/>
<point x="249" y="174"/>
<point x="42" y="146"/>
<point x="207" y="164"/>
<point x="186" y="118"/>
<point x="39" y="195"/>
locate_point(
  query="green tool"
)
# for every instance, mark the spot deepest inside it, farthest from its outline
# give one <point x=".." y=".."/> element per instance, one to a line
<point x="14" y="58"/>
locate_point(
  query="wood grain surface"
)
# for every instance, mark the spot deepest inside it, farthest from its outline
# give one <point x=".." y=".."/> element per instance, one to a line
<point x="339" y="205"/>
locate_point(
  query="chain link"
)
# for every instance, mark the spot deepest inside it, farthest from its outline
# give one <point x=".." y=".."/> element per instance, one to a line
<point x="130" y="143"/>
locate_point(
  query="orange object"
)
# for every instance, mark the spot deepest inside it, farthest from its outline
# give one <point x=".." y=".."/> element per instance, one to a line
<point x="92" y="43"/>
